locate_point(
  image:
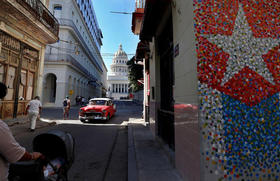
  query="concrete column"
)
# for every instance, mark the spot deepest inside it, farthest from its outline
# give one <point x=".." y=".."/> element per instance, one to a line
<point x="61" y="92"/>
<point x="39" y="84"/>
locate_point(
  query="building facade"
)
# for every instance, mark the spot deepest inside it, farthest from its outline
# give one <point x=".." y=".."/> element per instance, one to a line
<point x="118" y="78"/>
<point x="213" y="85"/>
<point x="74" y="66"/>
<point x="26" y="27"/>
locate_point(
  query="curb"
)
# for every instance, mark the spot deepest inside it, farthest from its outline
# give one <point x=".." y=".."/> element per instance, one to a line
<point x="21" y="121"/>
<point x="16" y="121"/>
<point x="132" y="170"/>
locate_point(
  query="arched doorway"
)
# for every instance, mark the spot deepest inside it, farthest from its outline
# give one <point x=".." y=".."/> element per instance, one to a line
<point x="50" y="88"/>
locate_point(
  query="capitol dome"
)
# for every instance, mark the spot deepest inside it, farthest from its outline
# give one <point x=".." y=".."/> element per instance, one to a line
<point x="120" y="53"/>
<point x="118" y="66"/>
<point x="118" y="83"/>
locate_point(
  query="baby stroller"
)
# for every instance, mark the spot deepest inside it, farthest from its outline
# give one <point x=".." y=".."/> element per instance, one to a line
<point x="54" y="145"/>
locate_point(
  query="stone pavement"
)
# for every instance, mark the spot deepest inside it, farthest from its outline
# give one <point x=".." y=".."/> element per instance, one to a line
<point x="146" y="158"/>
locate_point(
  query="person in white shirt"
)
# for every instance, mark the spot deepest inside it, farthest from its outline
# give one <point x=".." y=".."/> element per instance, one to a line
<point x="34" y="108"/>
<point x="10" y="150"/>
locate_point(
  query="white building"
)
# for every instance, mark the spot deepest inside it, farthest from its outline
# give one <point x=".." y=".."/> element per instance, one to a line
<point x="74" y="66"/>
<point x="118" y="77"/>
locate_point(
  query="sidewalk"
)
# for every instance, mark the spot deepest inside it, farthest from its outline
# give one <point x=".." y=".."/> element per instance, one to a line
<point x="21" y="125"/>
<point x="146" y="158"/>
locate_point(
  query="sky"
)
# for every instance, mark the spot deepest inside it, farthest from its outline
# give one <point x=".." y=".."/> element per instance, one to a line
<point x="116" y="28"/>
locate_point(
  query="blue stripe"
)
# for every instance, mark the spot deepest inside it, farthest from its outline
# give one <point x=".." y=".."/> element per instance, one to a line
<point x="251" y="134"/>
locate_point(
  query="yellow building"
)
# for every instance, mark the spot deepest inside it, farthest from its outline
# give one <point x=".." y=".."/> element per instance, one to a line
<point x="26" y="27"/>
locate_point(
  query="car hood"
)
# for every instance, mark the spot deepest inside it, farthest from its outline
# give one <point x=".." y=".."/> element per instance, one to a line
<point x="98" y="108"/>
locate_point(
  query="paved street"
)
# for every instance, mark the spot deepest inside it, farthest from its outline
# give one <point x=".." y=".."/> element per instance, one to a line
<point x="101" y="147"/>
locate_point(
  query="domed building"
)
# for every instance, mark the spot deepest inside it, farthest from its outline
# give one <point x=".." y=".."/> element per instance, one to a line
<point x="118" y="77"/>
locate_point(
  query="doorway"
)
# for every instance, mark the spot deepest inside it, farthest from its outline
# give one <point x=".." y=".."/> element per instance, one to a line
<point x="50" y="88"/>
<point x="166" y="111"/>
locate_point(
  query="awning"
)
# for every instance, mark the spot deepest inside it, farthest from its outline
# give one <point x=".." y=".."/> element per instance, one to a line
<point x="137" y="19"/>
<point x="142" y="49"/>
<point x="141" y="81"/>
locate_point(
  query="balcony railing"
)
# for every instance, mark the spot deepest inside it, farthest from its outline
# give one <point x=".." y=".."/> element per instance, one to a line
<point x="37" y="8"/>
<point x="140" y="4"/>
<point x="69" y="22"/>
<point x="69" y="59"/>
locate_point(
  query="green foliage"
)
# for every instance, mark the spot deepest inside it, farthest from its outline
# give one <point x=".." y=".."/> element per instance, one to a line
<point x="135" y="73"/>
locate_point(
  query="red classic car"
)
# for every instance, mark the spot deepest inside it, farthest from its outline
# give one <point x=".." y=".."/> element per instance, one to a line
<point x="98" y="108"/>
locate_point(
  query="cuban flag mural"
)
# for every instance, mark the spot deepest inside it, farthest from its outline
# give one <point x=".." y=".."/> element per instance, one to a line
<point x="238" y="51"/>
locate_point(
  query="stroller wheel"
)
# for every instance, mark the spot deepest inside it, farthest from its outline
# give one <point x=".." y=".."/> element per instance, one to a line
<point x="62" y="178"/>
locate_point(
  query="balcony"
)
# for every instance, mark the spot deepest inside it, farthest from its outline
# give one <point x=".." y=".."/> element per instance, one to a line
<point x="70" y="23"/>
<point x="137" y="16"/>
<point x="66" y="58"/>
<point x="32" y="17"/>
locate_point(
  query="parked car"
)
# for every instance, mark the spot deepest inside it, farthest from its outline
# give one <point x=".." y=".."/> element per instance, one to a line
<point x="97" y="108"/>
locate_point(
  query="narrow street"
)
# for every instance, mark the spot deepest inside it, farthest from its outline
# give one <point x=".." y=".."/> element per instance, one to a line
<point x="101" y="147"/>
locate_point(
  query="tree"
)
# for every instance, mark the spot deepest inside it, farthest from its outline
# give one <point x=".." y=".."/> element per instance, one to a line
<point x="135" y="73"/>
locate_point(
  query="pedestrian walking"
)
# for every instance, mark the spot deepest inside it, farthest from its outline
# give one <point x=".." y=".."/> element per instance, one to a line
<point x="83" y="101"/>
<point x="10" y="150"/>
<point x="77" y="100"/>
<point x="66" y="107"/>
<point x="34" y="109"/>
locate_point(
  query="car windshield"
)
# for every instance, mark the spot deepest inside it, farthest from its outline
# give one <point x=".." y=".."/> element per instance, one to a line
<point x="97" y="102"/>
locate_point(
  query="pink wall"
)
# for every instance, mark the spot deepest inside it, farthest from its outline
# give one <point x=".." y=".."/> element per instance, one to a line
<point x="187" y="141"/>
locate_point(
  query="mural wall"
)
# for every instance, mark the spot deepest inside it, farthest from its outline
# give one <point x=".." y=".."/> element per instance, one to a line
<point x="238" y="51"/>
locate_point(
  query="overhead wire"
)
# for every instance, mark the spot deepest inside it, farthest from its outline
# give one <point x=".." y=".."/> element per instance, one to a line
<point x="102" y="54"/>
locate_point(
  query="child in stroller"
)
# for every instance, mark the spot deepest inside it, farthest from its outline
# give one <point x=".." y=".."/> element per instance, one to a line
<point x="51" y="170"/>
<point x="58" y="149"/>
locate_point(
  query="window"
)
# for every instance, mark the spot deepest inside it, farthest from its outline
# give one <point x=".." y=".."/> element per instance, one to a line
<point x="57" y="7"/>
<point x="1" y="72"/>
<point x="57" y="10"/>
<point x="30" y="86"/>
<point x="23" y="83"/>
<point x="10" y="83"/>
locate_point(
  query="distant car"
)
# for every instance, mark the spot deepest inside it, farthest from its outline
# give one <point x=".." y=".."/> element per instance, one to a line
<point x="97" y="108"/>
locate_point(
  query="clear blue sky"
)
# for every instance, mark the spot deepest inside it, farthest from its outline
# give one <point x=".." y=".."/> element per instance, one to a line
<point x="116" y="28"/>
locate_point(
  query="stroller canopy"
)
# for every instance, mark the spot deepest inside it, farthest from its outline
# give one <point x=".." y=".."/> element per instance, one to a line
<point x="55" y="143"/>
